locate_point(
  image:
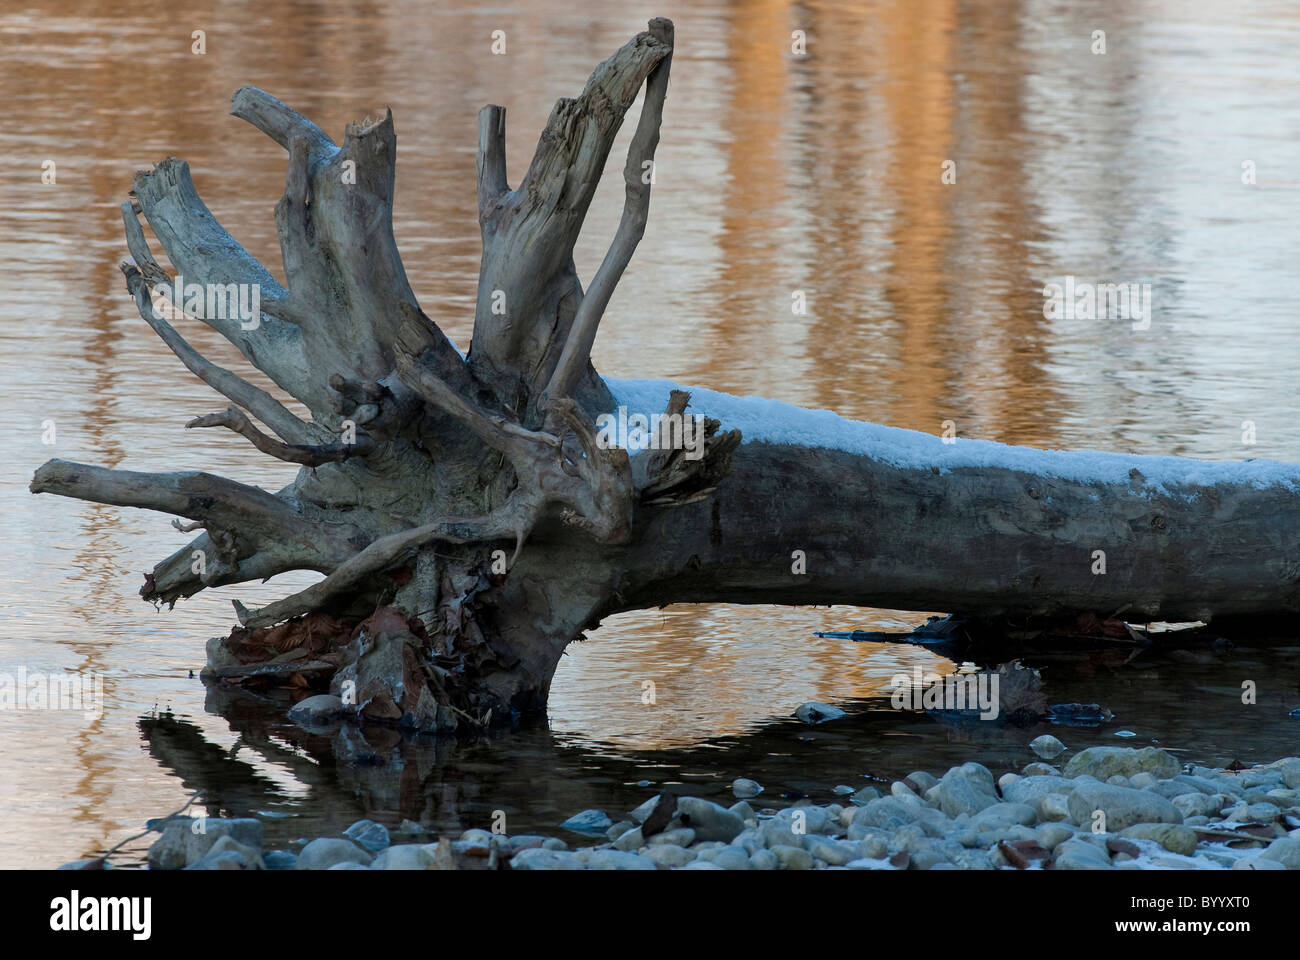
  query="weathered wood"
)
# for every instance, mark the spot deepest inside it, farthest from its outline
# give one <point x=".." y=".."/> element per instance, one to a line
<point x="989" y="543"/>
<point x="314" y="455"/>
<point x="254" y="399"/>
<point x="527" y="268"/>
<point x="479" y="525"/>
<point x="637" y="175"/>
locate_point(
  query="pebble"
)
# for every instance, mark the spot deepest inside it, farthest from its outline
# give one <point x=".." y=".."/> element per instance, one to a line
<point x="588" y="823"/>
<point x="618" y="860"/>
<point x="1055" y="807"/>
<point x="899" y="789"/>
<point x="404" y="856"/>
<point x="920" y="781"/>
<point x="837" y="853"/>
<point x="732" y="858"/>
<point x="882" y="812"/>
<point x="709" y="820"/>
<point x="1286" y="851"/>
<point x="805" y="819"/>
<point x="366" y="833"/>
<point x="764" y="860"/>
<point x="744" y="789"/>
<point x="669" y="856"/>
<point x="279" y="860"/>
<point x="865" y="796"/>
<point x="1042" y="817"/>
<point x="317" y="711"/>
<point x="540" y="858"/>
<point x="1103" y="762"/>
<point x="1047" y="746"/>
<point x="1290" y="771"/>
<point x="1004" y="814"/>
<point x="229" y="854"/>
<point x="1076" y="854"/>
<point x="523" y="841"/>
<point x="1122" y="806"/>
<point x="631" y="841"/>
<point x="1031" y="790"/>
<point x="1040" y="769"/>
<point x="681" y="837"/>
<point x="1173" y="837"/>
<point x="813" y="712"/>
<point x="185" y="840"/>
<point x="1257" y="862"/>
<point x="324" y="852"/>
<point x="964" y="790"/>
<point x="618" y="829"/>
<point x="1198" y="804"/>
<point x="791" y="858"/>
<point x="1049" y="836"/>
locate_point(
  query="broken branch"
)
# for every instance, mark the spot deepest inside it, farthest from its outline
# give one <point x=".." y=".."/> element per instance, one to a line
<point x="311" y="456"/>
<point x="230" y="385"/>
<point x="637" y="174"/>
<point x="379" y="555"/>
<point x="491" y="160"/>
<point x="279" y="122"/>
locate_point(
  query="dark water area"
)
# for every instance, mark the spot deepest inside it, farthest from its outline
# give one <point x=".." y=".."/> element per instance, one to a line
<point x="538" y="778"/>
<point x="775" y="173"/>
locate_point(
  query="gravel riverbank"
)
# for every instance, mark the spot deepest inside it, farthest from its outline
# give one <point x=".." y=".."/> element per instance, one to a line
<point x="1107" y="808"/>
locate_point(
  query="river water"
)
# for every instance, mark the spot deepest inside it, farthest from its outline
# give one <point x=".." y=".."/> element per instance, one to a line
<point x="777" y="173"/>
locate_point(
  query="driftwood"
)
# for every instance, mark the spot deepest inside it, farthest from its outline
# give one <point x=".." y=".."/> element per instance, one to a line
<point x="468" y="518"/>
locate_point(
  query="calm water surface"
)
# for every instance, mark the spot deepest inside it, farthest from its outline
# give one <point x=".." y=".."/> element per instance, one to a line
<point x="776" y="173"/>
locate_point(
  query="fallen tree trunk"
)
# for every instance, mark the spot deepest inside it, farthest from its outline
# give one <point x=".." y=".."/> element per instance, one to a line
<point x="472" y="516"/>
<point x="988" y="531"/>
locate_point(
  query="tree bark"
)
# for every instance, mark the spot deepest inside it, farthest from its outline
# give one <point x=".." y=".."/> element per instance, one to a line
<point x="470" y="518"/>
<point x="988" y="543"/>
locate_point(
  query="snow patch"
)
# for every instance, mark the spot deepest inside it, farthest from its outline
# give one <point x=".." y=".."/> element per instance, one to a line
<point x="761" y="420"/>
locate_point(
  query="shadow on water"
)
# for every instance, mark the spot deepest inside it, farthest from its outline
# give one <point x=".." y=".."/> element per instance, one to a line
<point x="306" y="783"/>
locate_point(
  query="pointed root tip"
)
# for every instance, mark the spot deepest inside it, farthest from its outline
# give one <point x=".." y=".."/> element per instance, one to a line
<point x="661" y="28"/>
<point x="242" y="95"/>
